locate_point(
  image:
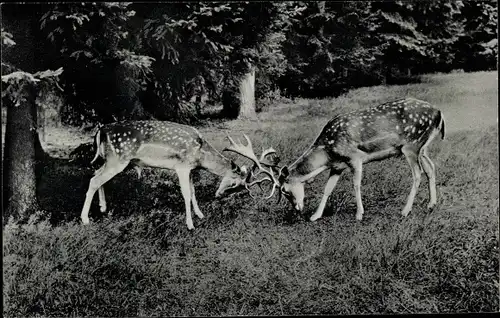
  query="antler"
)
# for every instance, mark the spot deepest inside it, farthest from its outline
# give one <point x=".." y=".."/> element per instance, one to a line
<point x="247" y="151"/>
<point x="266" y="162"/>
<point x="258" y="182"/>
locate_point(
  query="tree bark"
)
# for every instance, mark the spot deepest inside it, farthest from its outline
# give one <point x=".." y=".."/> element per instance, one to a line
<point x="24" y="156"/>
<point x="19" y="166"/>
<point x="247" y="95"/>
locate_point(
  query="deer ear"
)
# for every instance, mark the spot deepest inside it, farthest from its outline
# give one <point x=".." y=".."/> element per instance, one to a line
<point x="235" y="167"/>
<point x="283" y="174"/>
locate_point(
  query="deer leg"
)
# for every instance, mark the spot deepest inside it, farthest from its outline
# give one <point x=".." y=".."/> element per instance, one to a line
<point x="102" y="199"/>
<point x="102" y="176"/>
<point x="412" y="159"/>
<point x="196" y="209"/>
<point x="430" y="171"/>
<point x="185" y="183"/>
<point x="357" y="169"/>
<point x="330" y="185"/>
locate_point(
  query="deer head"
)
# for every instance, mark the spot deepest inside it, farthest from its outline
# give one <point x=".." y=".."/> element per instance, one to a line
<point x="291" y="188"/>
<point x="292" y="178"/>
<point x="233" y="181"/>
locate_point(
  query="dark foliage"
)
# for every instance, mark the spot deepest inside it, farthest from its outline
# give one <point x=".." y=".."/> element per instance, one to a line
<point x="169" y="61"/>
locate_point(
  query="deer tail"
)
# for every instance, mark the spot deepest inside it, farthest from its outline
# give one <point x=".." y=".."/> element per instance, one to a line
<point x="97" y="145"/>
<point x="442" y="126"/>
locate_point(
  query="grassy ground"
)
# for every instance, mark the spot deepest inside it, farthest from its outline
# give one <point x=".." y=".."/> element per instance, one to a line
<point x="259" y="258"/>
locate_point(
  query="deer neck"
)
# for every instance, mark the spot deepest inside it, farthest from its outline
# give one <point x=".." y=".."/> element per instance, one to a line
<point x="310" y="164"/>
<point x="214" y="161"/>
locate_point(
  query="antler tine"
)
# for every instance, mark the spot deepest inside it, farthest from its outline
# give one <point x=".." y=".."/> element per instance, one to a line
<point x="275" y="184"/>
<point x="249" y="142"/>
<point x="263" y="160"/>
<point x="243" y="150"/>
<point x="258" y="182"/>
<point x="249" y="192"/>
<point x="279" y="197"/>
<point x="266" y="152"/>
<point x="272" y="192"/>
<point x="271" y="178"/>
<point x="231" y="140"/>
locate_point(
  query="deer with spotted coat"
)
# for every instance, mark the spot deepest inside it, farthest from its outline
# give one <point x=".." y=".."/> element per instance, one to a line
<point x="405" y="126"/>
<point x="169" y="145"/>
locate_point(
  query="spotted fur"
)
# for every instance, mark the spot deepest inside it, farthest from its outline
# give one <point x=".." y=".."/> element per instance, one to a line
<point x="404" y="126"/>
<point x="160" y="144"/>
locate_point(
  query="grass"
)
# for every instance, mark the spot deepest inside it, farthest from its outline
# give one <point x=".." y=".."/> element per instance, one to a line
<point x="249" y="257"/>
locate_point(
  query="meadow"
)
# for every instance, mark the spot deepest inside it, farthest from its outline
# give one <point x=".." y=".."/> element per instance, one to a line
<point x="256" y="257"/>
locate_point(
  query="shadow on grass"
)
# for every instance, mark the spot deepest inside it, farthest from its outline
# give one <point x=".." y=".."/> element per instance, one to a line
<point x="62" y="187"/>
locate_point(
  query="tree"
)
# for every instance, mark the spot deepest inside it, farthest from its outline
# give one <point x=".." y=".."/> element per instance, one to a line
<point x="103" y="74"/>
<point x="224" y="43"/>
<point x="477" y="47"/>
<point x="259" y="35"/>
<point x="188" y="41"/>
<point x="398" y="37"/>
<point x="23" y="153"/>
<point x="329" y="47"/>
<point x="339" y="45"/>
<point x="442" y="24"/>
<point x="20" y="199"/>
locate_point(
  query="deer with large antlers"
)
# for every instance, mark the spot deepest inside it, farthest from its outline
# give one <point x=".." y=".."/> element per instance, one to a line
<point x="405" y="126"/>
<point x="169" y="145"/>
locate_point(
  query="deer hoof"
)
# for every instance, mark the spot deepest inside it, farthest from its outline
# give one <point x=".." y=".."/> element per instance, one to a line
<point x="359" y="216"/>
<point x="431" y="205"/>
<point x="85" y="220"/>
<point x="200" y="215"/>
<point x="314" y="217"/>
<point x="190" y="227"/>
<point x="405" y="212"/>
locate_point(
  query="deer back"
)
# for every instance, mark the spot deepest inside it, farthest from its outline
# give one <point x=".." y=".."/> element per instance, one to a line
<point x="153" y="143"/>
<point x="381" y="128"/>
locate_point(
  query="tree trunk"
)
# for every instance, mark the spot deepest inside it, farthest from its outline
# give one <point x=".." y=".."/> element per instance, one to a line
<point x="247" y="95"/>
<point x="19" y="164"/>
<point x="23" y="153"/>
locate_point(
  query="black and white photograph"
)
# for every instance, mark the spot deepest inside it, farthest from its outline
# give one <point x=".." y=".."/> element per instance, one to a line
<point x="250" y="158"/>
